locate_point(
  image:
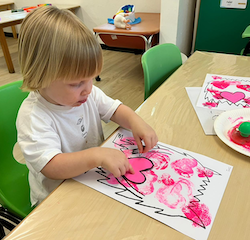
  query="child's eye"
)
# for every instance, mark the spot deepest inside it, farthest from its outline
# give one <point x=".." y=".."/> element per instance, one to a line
<point x="76" y="84"/>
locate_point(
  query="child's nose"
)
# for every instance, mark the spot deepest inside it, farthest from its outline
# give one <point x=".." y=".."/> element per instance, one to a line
<point x="88" y="88"/>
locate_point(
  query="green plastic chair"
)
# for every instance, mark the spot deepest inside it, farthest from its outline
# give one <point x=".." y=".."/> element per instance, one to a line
<point x="158" y="63"/>
<point x="14" y="186"/>
<point x="246" y="34"/>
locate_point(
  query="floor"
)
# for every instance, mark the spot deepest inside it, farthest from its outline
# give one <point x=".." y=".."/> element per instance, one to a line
<point x="121" y="78"/>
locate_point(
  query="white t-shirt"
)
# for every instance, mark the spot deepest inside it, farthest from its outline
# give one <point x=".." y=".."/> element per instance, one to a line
<point x="45" y="130"/>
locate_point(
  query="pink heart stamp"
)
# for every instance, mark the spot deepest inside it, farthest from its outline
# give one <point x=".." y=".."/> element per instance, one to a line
<point x="139" y="165"/>
<point x="233" y="97"/>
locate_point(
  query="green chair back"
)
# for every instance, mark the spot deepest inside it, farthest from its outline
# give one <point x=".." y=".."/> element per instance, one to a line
<point x="158" y="63"/>
<point x="14" y="186"/>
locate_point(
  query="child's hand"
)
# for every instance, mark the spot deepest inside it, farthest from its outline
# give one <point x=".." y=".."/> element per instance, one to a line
<point x="115" y="162"/>
<point x="127" y="118"/>
<point x="143" y="131"/>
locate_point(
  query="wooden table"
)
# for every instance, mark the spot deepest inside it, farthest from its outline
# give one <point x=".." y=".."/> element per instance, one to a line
<point x="8" y="6"/>
<point x="74" y="211"/>
<point x="147" y="31"/>
<point x="8" y="19"/>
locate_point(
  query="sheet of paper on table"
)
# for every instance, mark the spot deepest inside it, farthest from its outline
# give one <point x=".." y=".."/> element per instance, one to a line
<point x="179" y="188"/>
<point x="223" y="92"/>
<point x="206" y="116"/>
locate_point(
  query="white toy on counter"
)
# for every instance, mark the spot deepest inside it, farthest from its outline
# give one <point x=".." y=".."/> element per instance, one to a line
<point x="120" y="21"/>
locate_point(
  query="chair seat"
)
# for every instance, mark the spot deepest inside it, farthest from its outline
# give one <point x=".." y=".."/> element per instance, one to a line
<point x="246" y="33"/>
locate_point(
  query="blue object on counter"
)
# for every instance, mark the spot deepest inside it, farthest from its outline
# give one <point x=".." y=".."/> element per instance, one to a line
<point x="137" y="20"/>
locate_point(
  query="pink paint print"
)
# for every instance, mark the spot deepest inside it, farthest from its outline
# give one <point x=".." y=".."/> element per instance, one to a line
<point x="176" y="195"/>
<point x="184" y="167"/>
<point x="198" y="213"/>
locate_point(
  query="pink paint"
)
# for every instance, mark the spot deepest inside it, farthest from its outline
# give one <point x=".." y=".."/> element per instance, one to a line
<point x="233" y="120"/>
<point x="221" y="84"/>
<point x="215" y="93"/>
<point x="139" y="165"/>
<point x="128" y="141"/>
<point x="159" y="159"/>
<point x="210" y="104"/>
<point x="247" y="100"/>
<point x="216" y="77"/>
<point x="235" y="137"/>
<point x="147" y="187"/>
<point x="176" y="195"/>
<point x="244" y="87"/>
<point x="166" y="179"/>
<point x="198" y="213"/>
<point x="233" y="97"/>
<point x="203" y="172"/>
<point x="224" y="84"/>
<point x="184" y="167"/>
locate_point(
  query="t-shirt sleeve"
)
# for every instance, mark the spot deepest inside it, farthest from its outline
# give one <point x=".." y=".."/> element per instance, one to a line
<point x="38" y="139"/>
<point x="105" y="104"/>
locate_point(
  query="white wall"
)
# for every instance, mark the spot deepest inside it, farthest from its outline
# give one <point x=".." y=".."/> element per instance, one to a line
<point x="176" y="15"/>
<point x="96" y="12"/>
<point x="177" y="20"/>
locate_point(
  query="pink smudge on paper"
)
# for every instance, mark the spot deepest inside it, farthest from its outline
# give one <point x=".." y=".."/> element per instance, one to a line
<point x="247" y="100"/>
<point x="244" y="87"/>
<point x="159" y="159"/>
<point x="198" y="213"/>
<point x="184" y="167"/>
<point x="216" y="77"/>
<point x="224" y="84"/>
<point x="166" y="179"/>
<point x="204" y="172"/>
<point x="139" y="165"/>
<point x="175" y="195"/>
<point x="147" y="187"/>
<point x="221" y="84"/>
<point x="215" y="93"/>
<point x="210" y="104"/>
<point x="128" y="141"/>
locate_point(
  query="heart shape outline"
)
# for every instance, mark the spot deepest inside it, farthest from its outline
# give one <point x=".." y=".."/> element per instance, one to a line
<point x="139" y="164"/>
<point x="233" y="97"/>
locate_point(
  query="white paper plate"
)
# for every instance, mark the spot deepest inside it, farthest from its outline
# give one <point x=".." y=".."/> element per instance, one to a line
<point x="225" y="121"/>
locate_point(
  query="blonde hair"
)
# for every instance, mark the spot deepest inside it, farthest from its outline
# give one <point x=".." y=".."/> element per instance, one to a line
<point x="55" y="44"/>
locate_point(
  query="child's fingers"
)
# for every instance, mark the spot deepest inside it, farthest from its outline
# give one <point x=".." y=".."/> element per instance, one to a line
<point x="139" y="144"/>
<point x="131" y="170"/>
<point x="150" y="143"/>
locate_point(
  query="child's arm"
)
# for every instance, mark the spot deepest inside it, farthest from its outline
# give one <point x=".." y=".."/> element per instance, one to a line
<point x="68" y="165"/>
<point x="127" y="118"/>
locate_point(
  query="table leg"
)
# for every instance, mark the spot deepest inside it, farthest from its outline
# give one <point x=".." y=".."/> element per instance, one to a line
<point x="6" y="52"/>
<point x="12" y="27"/>
<point x="14" y="31"/>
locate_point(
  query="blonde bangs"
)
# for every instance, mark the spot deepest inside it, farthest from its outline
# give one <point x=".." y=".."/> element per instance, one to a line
<point x="55" y="44"/>
<point x="82" y="57"/>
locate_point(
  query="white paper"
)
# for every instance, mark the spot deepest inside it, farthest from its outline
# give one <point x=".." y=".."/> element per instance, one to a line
<point x="233" y="4"/>
<point x="205" y="116"/>
<point x="223" y="92"/>
<point x="183" y="189"/>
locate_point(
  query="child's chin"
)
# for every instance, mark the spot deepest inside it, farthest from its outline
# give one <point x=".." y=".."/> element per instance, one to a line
<point x="77" y="104"/>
